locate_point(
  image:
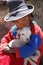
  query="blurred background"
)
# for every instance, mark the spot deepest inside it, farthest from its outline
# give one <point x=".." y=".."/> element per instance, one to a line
<point x="38" y="16"/>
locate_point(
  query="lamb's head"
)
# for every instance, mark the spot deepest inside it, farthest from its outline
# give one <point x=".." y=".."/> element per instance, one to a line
<point x="25" y="34"/>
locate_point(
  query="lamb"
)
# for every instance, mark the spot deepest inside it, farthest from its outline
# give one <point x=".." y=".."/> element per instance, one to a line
<point x="25" y="34"/>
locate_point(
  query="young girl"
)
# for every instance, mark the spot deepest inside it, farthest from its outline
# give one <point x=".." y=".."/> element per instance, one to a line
<point x="20" y="15"/>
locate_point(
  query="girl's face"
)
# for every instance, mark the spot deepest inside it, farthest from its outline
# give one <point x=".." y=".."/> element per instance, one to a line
<point x="23" y="22"/>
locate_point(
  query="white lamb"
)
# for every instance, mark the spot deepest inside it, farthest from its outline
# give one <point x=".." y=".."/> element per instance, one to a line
<point x="25" y="34"/>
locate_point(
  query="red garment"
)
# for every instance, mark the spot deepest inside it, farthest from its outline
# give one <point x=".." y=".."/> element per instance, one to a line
<point x="10" y="59"/>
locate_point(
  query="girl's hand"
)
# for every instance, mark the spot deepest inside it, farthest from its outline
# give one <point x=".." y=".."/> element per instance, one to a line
<point x="7" y="49"/>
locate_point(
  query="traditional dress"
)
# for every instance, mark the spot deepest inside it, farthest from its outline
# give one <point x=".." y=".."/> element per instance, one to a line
<point x="32" y="52"/>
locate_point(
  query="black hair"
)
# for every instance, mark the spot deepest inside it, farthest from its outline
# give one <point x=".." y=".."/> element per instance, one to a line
<point x="31" y="17"/>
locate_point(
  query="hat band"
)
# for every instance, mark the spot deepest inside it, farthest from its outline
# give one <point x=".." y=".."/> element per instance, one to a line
<point x="18" y="8"/>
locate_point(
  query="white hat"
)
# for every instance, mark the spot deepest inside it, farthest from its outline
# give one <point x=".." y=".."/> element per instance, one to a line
<point x="17" y="10"/>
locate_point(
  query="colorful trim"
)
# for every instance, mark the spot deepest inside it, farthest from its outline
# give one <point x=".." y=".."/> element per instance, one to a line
<point x="17" y="52"/>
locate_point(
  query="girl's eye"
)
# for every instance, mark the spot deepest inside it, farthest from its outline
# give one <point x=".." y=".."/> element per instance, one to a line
<point x="12" y="21"/>
<point x="22" y="34"/>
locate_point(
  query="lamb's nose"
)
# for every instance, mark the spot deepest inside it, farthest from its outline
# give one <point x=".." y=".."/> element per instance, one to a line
<point x="27" y="39"/>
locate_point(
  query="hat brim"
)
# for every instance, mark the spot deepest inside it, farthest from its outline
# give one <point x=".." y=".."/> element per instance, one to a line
<point x="19" y="15"/>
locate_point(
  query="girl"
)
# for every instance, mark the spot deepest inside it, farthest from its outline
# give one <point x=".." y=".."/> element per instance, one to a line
<point x="20" y="15"/>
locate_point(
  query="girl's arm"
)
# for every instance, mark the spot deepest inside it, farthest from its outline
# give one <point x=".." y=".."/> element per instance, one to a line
<point x="30" y="48"/>
<point x="4" y="43"/>
<point x="7" y="38"/>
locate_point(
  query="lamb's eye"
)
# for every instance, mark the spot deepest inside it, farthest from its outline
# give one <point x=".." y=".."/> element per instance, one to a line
<point x="22" y="34"/>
